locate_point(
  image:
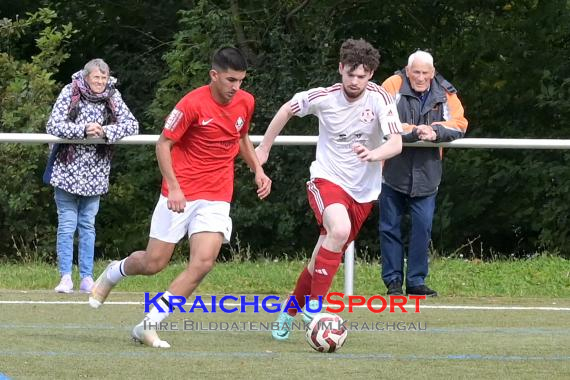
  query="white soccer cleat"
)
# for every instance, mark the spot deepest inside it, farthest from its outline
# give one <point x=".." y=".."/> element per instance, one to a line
<point x="148" y="337"/>
<point x="94" y="303"/>
<point x="101" y="288"/>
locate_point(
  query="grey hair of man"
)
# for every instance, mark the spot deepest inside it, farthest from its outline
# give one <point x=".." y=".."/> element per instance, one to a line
<point x="93" y="64"/>
<point x="422" y="56"/>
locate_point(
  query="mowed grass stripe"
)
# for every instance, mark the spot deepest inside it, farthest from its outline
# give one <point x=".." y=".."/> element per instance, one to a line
<point x="265" y="355"/>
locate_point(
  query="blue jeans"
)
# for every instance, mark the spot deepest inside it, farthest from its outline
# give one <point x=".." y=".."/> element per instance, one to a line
<point x="393" y="205"/>
<point x="75" y="212"/>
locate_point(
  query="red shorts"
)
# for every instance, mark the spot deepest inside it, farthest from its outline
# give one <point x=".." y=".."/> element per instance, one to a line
<point x="322" y="193"/>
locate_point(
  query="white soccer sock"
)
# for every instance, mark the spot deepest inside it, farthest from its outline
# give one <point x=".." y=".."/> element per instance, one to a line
<point x="155" y="315"/>
<point x="117" y="272"/>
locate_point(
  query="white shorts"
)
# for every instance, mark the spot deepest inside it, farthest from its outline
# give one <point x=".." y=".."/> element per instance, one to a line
<point x="198" y="216"/>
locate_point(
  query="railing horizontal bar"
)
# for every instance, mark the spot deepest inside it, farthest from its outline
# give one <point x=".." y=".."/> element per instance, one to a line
<point x="488" y="143"/>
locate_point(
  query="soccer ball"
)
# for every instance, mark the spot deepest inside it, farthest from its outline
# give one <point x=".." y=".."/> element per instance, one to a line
<point x="326" y="332"/>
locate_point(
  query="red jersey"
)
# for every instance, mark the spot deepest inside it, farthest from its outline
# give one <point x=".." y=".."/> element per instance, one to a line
<point x="206" y="136"/>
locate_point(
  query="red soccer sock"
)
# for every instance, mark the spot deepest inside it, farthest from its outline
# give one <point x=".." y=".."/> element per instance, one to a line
<point x="326" y="266"/>
<point x="302" y="288"/>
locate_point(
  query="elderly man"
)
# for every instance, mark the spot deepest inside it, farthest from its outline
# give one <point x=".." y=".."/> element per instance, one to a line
<point x="430" y="111"/>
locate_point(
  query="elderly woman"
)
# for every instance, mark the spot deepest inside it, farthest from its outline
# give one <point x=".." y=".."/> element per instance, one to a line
<point x="88" y="107"/>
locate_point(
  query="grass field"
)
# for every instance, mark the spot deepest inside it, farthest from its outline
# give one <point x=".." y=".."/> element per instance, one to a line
<point x="508" y="320"/>
<point x="45" y="335"/>
<point x="540" y="277"/>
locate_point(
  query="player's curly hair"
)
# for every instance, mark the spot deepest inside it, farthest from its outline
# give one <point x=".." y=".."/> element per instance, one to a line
<point x="359" y="52"/>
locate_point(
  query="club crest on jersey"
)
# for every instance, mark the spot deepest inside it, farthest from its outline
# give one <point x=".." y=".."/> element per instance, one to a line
<point x="367" y="116"/>
<point x="173" y="119"/>
<point x="239" y="123"/>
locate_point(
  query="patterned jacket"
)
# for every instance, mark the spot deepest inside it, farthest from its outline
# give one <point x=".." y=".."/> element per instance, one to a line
<point x="86" y="173"/>
<point x="417" y="171"/>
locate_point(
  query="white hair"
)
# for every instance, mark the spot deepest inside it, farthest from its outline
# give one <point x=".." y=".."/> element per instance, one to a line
<point x="422" y="56"/>
<point x="96" y="63"/>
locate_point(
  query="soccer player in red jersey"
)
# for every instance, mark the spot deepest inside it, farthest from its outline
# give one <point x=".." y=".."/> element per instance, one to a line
<point x="201" y="138"/>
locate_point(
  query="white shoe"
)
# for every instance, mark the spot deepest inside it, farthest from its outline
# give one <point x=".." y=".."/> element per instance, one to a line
<point x="101" y="288"/>
<point x="65" y="285"/>
<point x="148" y="337"/>
<point x="86" y="285"/>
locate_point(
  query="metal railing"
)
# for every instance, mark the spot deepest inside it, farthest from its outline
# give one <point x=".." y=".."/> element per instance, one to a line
<point x="483" y="143"/>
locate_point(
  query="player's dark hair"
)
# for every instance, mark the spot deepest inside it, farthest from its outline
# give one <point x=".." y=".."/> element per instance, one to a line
<point x="229" y="58"/>
<point x="354" y="53"/>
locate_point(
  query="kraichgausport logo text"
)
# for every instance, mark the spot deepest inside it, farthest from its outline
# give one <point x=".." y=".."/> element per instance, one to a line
<point x="193" y="325"/>
<point x="273" y="304"/>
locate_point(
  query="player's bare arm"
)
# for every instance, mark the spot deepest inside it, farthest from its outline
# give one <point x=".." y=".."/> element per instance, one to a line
<point x="275" y="127"/>
<point x="248" y="154"/>
<point x="391" y="148"/>
<point x="176" y="198"/>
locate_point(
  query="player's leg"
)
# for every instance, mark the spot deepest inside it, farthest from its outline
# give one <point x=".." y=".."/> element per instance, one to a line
<point x="342" y="221"/>
<point x="311" y="264"/>
<point x="67" y="207"/>
<point x="166" y="229"/>
<point x="329" y="203"/>
<point x="88" y="208"/>
<point x="303" y="285"/>
<point x="336" y="222"/>
<point x="209" y="227"/>
<point x="301" y="291"/>
<point x="148" y="262"/>
<point x="204" y="249"/>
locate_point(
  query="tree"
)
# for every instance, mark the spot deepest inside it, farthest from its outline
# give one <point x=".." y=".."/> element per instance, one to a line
<point x="27" y="90"/>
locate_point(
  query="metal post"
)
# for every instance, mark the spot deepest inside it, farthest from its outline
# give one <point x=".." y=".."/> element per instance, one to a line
<point x="349" y="270"/>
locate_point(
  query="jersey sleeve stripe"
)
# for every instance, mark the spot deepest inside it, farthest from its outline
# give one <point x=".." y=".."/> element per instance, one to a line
<point x="295" y="107"/>
<point x="318" y="96"/>
<point x="322" y="92"/>
<point x="380" y="90"/>
<point x="393" y="127"/>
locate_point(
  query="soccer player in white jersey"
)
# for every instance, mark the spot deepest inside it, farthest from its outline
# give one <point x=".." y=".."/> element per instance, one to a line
<point x="358" y="128"/>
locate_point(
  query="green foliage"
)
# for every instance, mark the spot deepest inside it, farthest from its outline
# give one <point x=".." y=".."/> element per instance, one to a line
<point x="203" y="29"/>
<point x="508" y="59"/>
<point x="131" y="36"/>
<point x="27" y="92"/>
<point x="516" y="86"/>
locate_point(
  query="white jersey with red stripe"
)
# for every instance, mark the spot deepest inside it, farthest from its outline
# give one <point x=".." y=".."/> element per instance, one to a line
<point x="342" y="124"/>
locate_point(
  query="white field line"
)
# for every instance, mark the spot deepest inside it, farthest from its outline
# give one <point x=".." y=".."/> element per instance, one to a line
<point x="410" y="306"/>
